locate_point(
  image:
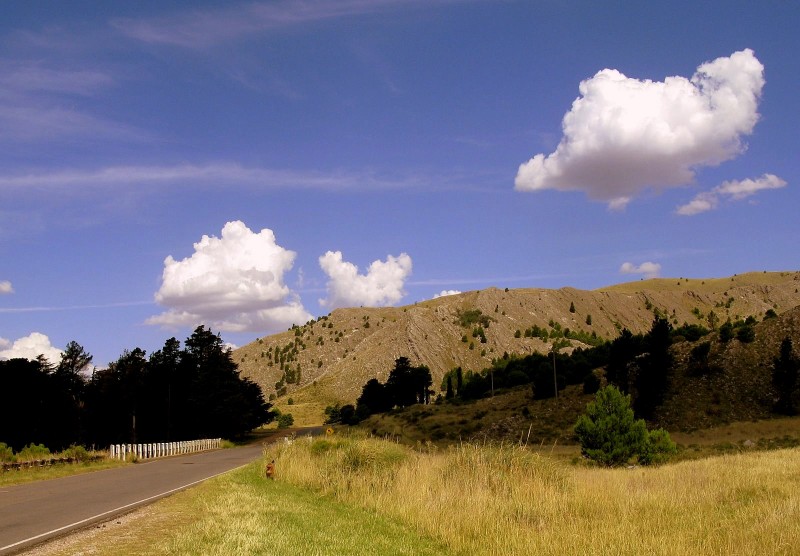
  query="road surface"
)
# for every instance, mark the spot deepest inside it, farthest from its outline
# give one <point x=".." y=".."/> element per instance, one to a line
<point x="35" y="512"/>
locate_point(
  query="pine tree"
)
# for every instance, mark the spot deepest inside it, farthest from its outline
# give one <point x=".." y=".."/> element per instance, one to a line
<point x="654" y="369"/>
<point x="784" y="377"/>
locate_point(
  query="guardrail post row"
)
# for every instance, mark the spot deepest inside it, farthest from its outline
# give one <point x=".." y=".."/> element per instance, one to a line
<point x="162" y="449"/>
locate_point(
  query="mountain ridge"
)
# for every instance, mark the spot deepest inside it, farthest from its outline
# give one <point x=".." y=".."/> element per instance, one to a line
<point x="337" y="353"/>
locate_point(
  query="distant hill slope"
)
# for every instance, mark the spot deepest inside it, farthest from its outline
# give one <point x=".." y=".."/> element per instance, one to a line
<point x="337" y="354"/>
<point x="738" y="387"/>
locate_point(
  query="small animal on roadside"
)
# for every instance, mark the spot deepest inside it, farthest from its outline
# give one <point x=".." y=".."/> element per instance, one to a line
<point x="271" y="470"/>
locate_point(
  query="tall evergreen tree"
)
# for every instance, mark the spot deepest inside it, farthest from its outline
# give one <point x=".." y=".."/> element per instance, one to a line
<point x="407" y="384"/>
<point x="374" y="398"/>
<point x="621" y="354"/>
<point x="74" y="361"/>
<point x="652" y="377"/>
<point x="166" y="385"/>
<point x="32" y="405"/>
<point x="784" y="378"/>
<point x="70" y="379"/>
<point x="216" y="394"/>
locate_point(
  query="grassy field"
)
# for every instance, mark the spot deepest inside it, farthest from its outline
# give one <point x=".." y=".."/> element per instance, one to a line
<point x="361" y="495"/>
<point x="507" y="500"/>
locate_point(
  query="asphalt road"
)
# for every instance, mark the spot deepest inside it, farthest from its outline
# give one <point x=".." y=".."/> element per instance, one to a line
<point x="35" y="512"/>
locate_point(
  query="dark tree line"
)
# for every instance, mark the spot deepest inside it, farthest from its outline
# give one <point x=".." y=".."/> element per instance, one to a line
<point x="636" y="364"/>
<point x="639" y="365"/>
<point x="407" y="385"/>
<point x="785" y="370"/>
<point x="174" y="394"/>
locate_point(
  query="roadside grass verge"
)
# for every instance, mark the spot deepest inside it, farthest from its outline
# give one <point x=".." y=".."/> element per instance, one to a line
<point x="31" y="474"/>
<point x="241" y="512"/>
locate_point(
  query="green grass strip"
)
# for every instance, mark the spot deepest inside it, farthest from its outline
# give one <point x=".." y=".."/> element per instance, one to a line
<point x="241" y="512"/>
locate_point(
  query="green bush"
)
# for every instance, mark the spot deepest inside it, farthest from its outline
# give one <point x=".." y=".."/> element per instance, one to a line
<point x="33" y="452"/>
<point x="746" y="334"/>
<point x="333" y="414"/>
<point x="6" y="453"/>
<point x="285" y="420"/>
<point x="609" y="434"/>
<point x="78" y="453"/>
<point x="726" y="332"/>
<point x="658" y="448"/>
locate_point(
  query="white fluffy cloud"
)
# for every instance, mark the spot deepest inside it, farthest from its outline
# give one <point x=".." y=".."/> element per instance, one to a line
<point x="232" y="283"/>
<point x="30" y="347"/>
<point x="734" y="190"/>
<point x="623" y="135"/>
<point x="382" y="284"/>
<point x="444" y="293"/>
<point x="647" y="269"/>
<point x="5" y="287"/>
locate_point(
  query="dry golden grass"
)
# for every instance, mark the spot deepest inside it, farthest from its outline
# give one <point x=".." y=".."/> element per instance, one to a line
<point x="508" y="500"/>
<point x="306" y="413"/>
<point x="742" y="431"/>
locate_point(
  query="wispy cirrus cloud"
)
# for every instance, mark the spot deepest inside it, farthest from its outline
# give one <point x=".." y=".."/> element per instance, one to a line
<point x="53" y="308"/>
<point x="40" y="122"/>
<point x="40" y="102"/>
<point x="203" y="28"/>
<point x="223" y="174"/>
<point x="18" y="77"/>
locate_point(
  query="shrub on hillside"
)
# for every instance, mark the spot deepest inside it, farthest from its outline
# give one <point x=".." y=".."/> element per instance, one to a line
<point x="285" y="421"/>
<point x="746" y="334"/>
<point x="698" y="359"/>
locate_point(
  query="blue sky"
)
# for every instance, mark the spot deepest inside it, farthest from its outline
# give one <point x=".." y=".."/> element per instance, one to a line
<point x="164" y="164"/>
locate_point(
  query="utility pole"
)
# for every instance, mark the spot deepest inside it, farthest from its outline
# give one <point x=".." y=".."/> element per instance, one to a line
<point x="555" y="378"/>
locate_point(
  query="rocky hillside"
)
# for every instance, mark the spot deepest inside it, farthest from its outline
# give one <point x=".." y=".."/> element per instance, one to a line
<point x="331" y="358"/>
<point x="737" y="386"/>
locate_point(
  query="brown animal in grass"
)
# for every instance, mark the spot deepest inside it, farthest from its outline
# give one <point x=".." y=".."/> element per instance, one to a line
<point x="271" y="470"/>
